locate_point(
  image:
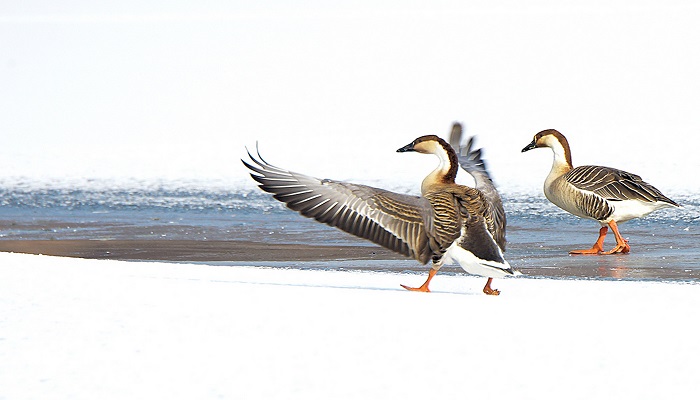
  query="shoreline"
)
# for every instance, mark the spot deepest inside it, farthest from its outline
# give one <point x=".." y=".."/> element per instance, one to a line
<point x="341" y="257"/>
<point x="195" y="250"/>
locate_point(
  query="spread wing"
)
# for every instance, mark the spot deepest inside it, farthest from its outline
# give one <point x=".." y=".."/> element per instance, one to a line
<point x="470" y="160"/>
<point x="614" y="184"/>
<point x="392" y="220"/>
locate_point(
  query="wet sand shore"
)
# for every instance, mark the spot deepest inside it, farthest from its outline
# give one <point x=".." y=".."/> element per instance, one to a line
<point x="553" y="262"/>
<point x="195" y="250"/>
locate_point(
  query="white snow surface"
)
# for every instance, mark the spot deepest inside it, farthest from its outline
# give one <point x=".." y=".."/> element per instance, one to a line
<point x="97" y="329"/>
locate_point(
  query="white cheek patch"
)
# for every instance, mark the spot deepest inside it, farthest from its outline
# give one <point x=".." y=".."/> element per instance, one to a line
<point x="428" y="147"/>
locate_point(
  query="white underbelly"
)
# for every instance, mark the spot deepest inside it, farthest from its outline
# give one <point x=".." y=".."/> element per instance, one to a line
<point x="475" y="266"/>
<point x="625" y="210"/>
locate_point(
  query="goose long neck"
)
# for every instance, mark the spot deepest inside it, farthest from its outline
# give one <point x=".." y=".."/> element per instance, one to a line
<point x="446" y="171"/>
<point x="562" y="159"/>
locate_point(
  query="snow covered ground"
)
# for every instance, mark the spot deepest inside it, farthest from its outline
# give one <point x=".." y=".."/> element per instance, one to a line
<point x="87" y="329"/>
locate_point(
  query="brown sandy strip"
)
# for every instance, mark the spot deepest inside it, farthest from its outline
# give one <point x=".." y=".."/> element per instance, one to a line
<point x="196" y="251"/>
<point x="248" y="251"/>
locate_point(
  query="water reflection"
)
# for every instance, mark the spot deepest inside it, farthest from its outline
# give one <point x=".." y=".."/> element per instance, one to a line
<point x="613" y="266"/>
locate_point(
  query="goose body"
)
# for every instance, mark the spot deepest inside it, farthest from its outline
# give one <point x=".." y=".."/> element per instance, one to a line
<point x="448" y="222"/>
<point x="603" y="194"/>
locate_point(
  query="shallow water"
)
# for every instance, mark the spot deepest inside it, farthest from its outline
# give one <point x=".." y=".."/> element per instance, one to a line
<point x="665" y="244"/>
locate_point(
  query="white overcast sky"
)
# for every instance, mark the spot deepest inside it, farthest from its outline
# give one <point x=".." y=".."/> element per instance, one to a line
<point x="173" y="89"/>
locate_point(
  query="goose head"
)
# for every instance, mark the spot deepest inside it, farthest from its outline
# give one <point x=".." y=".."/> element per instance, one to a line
<point x="554" y="140"/>
<point x="446" y="172"/>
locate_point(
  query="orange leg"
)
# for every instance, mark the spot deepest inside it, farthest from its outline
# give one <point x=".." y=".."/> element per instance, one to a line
<point x="489" y="290"/>
<point x="622" y="245"/>
<point x="598" y="246"/>
<point x="424" y="286"/>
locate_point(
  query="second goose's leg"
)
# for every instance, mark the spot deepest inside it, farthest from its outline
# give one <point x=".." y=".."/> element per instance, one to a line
<point x="622" y="245"/>
<point x="597" y="247"/>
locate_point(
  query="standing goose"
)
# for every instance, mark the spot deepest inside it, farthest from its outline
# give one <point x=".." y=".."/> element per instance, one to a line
<point x="607" y="195"/>
<point x="448" y="222"/>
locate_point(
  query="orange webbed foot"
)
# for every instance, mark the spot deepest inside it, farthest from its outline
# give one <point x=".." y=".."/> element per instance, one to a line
<point x="622" y="243"/>
<point x="490" y="291"/>
<point x="592" y="251"/>
<point x="622" y="248"/>
<point x="597" y="246"/>
<point x="423" y="288"/>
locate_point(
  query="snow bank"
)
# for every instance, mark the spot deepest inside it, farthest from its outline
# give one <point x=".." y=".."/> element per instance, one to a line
<point x="86" y="329"/>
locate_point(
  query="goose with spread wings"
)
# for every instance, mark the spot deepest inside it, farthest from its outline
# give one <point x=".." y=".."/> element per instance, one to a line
<point x="448" y="222"/>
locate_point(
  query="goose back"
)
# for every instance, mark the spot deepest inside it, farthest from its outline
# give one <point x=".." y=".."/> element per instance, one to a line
<point x="614" y="184"/>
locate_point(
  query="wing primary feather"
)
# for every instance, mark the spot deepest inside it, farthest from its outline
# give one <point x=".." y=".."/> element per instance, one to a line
<point x="395" y="221"/>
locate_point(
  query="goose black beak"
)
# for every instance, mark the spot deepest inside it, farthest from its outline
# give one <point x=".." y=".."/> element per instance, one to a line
<point x="530" y="146"/>
<point x="408" y="147"/>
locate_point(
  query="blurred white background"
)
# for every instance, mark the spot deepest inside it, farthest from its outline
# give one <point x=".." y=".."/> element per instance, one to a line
<point x="156" y="90"/>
